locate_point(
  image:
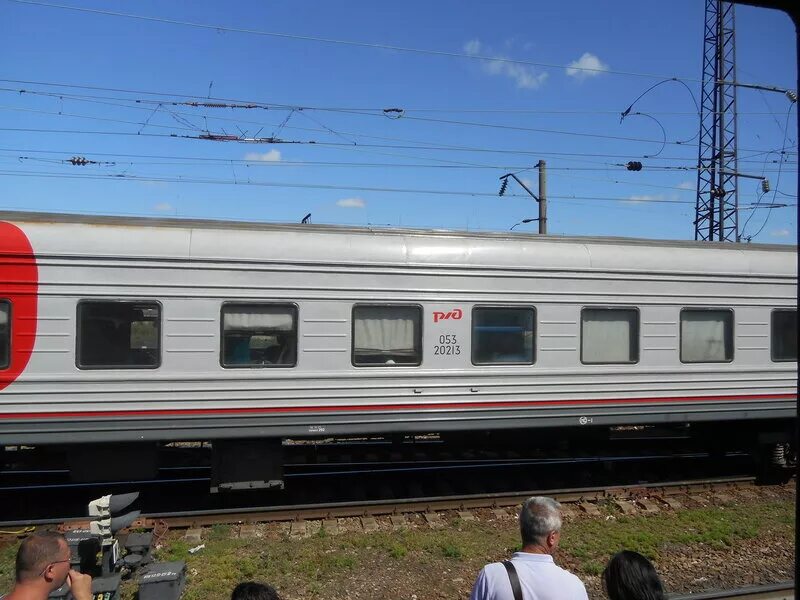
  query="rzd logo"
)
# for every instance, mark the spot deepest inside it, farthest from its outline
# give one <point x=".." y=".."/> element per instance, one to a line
<point x="454" y="314"/>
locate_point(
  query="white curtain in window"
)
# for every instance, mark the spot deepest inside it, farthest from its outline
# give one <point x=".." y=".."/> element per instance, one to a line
<point x="3" y="316"/>
<point x="259" y="318"/>
<point x="607" y="334"/>
<point x="385" y="329"/>
<point x="703" y="335"/>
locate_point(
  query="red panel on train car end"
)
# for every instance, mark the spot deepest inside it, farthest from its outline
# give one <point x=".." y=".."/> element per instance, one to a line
<point x="19" y="284"/>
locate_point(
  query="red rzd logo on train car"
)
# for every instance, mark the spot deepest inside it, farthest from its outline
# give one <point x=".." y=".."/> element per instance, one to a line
<point x="454" y="314"/>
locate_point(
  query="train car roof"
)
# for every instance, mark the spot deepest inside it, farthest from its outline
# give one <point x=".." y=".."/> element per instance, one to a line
<point x="240" y="241"/>
<point x="182" y="223"/>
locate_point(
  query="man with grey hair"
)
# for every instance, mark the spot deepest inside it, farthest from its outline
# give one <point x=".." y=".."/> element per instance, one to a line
<point x="531" y="573"/>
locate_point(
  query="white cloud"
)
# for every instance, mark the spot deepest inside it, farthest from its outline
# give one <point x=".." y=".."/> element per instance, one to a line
<point x="686" y="185"/>
<point x="780" y="233"/>
<point x="473" y="47"/>
<point x="586" y="66"/>
<point x="641" y="199"/>
<point x="351" y="203"/>
<point x="271" y="156"/>
<point x="525" y="77"/>
<point x="164" y="207"/>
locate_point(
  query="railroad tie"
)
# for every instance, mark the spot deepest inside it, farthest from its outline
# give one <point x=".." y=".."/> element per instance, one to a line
<point x="650" y="507"/>
<point x="193" y="535"/>
<point x="671" y="502"/>
<point x="298" y="529"/>
<point x="369" y="524"/>
<point x="590" y="509"/>
<point x="398" y="521"/>
<point x="330" y="526"/>
<point x="500" y="513"/>
<point x="466" y="516"/>
<point x="627" y="507"/>
<point x="433" y="520"/>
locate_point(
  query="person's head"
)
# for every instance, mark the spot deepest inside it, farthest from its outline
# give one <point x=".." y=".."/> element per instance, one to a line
<point x="540" y="523"/>
<point x="630" y="576"/>
<point x="44" y="557"/>
<point x="250" y="590"/>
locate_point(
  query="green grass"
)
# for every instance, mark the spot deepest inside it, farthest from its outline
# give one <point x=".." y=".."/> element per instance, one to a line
<point x="443" y="561"/>
<point x="592" y="541"/>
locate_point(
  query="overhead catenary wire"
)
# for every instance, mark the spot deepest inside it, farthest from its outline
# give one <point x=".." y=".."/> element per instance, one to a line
<point x="170" y="159"/>
<point x="302" y="109"/>
<point x="195" y="180"/>
<point x="777" y="182"/>
<point x="232" y="103"/>
<point x="537" y="153"/>
<point x="283" y="125"/>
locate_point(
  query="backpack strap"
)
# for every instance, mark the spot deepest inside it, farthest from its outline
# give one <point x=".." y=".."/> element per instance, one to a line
<point x="514" y="578"/>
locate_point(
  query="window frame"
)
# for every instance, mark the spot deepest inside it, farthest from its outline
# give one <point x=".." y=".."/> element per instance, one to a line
<point x="611" y="308"/>
<point x="9" y="305"/>
<point x="78" y="336"/>
<point x="418" y="337"/>
<point x="706" y="309"/>
<point x="295" y="330"/>
<point x="505" y="307"/>
<point x="772" y="336"/>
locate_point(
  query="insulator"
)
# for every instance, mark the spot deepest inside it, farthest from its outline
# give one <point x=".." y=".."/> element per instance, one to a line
<point x="765" y="185"/>
<point x="79" y="161"/>
<point x="791" y="95"/>
<point x="634" y="165"/>
<point x="503" y="186"/>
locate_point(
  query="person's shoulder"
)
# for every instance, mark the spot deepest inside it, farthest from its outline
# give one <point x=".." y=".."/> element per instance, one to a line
<point x="495" y="568"/>
<point x="571" y="579"/>
<point x="566" y="575"/>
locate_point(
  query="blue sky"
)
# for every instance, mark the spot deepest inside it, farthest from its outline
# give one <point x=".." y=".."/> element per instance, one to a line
<point x="464" y="121"/>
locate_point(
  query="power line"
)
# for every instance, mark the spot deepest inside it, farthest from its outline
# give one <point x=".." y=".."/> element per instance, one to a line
<point x="377" y="110"/>
<point x="338" y="145"/>
<point x="267" y="106"/>
<point x="187" y="180"/>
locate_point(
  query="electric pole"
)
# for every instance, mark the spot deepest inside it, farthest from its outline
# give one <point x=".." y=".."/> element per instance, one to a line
<point x="541" y="199"/>
<point x="717" y="205"/>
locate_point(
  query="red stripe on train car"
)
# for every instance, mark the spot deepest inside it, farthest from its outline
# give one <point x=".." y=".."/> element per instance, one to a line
<point x="19" y="284"/>
<point x="177" y="412"/>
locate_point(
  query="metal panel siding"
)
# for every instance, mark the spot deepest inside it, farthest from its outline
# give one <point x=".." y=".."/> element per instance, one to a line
<point x="192" y="270"/>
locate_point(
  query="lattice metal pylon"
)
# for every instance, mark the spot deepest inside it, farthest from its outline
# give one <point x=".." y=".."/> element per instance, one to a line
<point x="717" y="207"/>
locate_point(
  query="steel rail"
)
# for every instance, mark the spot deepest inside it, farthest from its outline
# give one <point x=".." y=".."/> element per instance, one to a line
<point x="202" y="518"/>
<point x="769" y="591"/>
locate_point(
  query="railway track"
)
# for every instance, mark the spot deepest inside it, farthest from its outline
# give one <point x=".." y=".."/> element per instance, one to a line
<point x="771" y="591"/>
<point x="645" y="497"/>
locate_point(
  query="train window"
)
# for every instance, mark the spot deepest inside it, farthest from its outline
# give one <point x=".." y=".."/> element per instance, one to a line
<point x="609" y="336"/>
<point x="259" y="335"/>
<point x="784" y="335"/>
<point x="119" y="334"/>
<point x="503" y="335"/>
<point x="706" y="335"/>
<point x="5" y="334"/>
<point x="387" y="335"/>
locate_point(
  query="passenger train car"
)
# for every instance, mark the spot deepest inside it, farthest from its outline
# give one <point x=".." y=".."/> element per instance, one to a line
<point x="121" y="334"/>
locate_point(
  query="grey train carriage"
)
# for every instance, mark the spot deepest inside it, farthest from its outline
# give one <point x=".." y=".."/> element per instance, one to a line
<point x="120" y="335"/>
